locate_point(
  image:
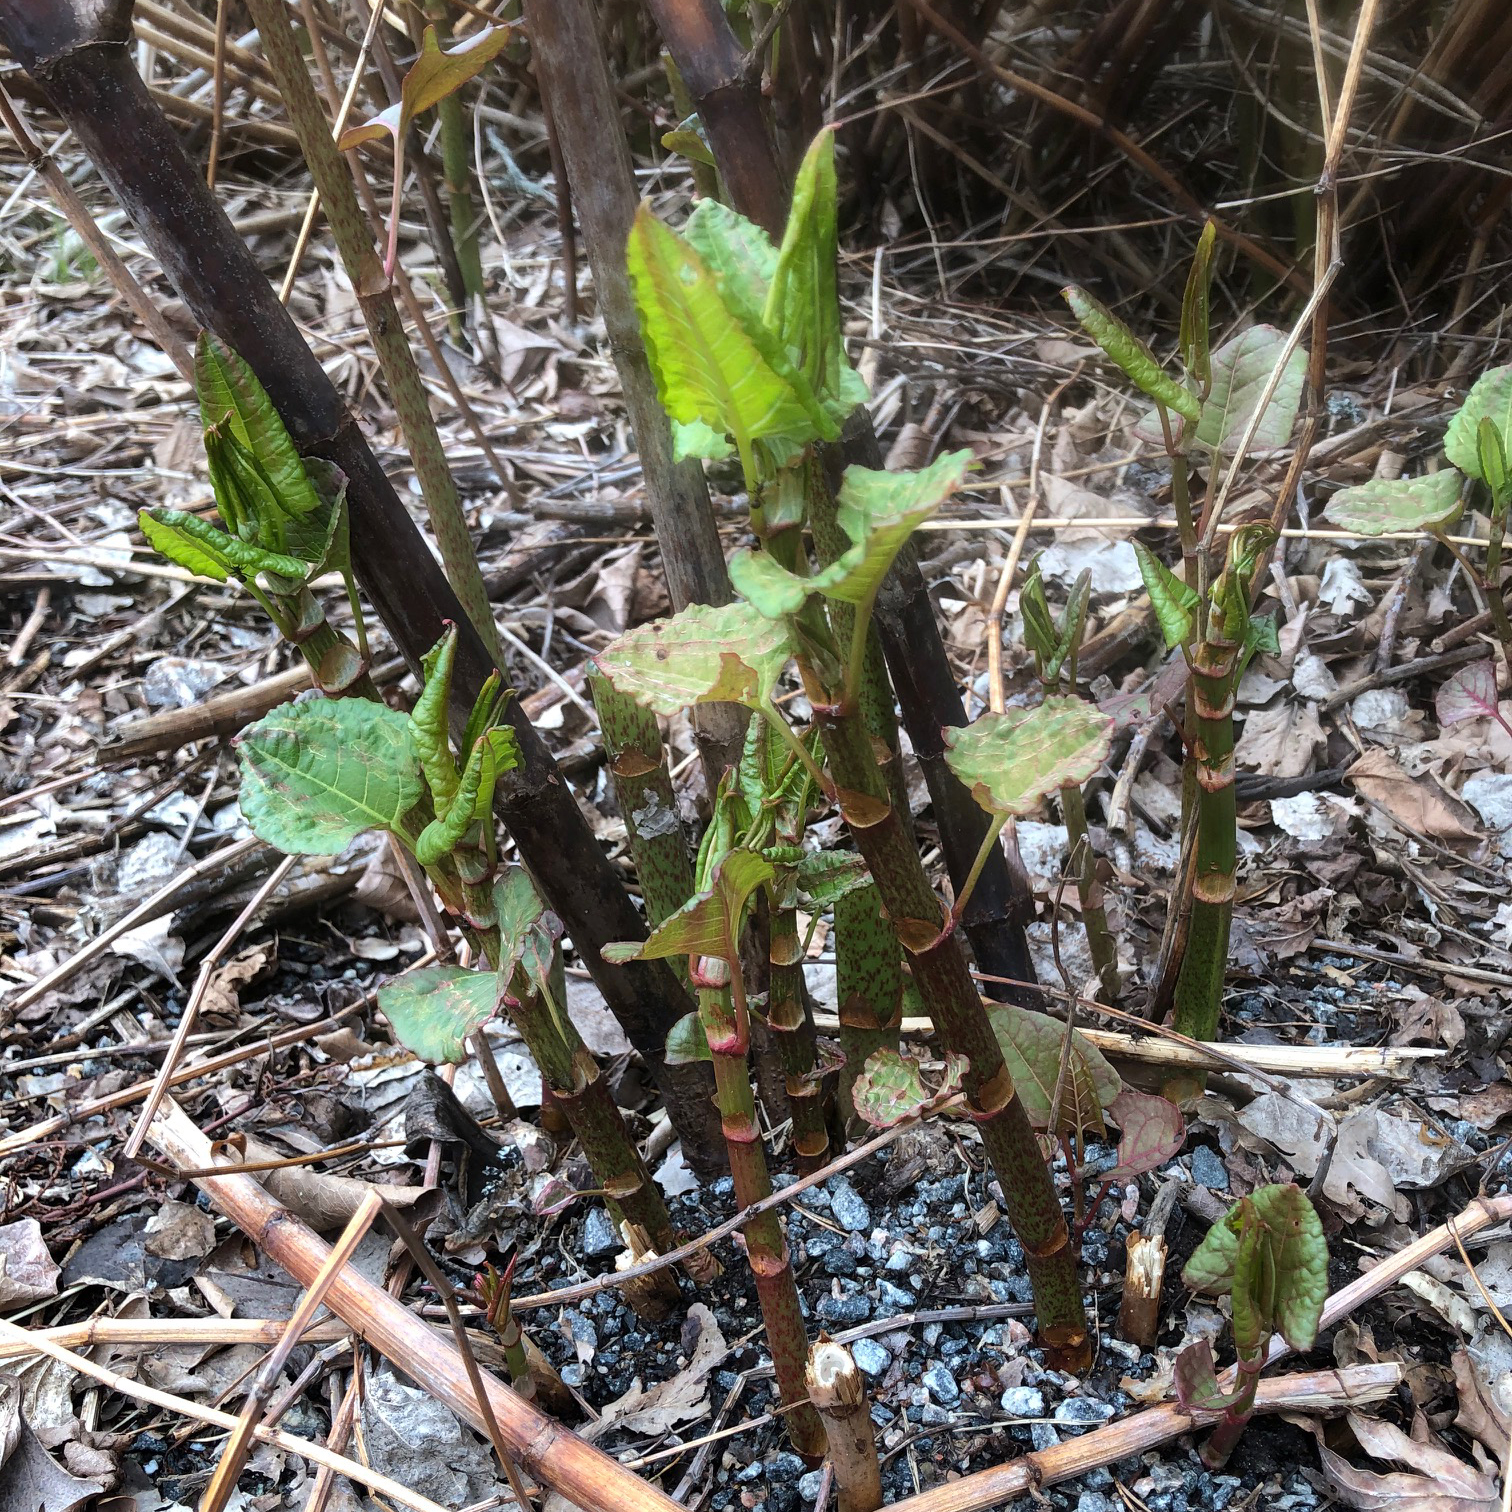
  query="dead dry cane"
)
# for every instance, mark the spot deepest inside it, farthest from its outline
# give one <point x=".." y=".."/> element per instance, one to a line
<point x="838" y="1392"/>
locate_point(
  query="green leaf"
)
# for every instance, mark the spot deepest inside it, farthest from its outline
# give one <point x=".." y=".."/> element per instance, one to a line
<point x="488" y="707"/>
<point x="495" y="751"/>
<point x="1130" y="353"/>
<point x="436" y="73"/>
<point x="1261" y="634"/>
<point x="827" y="876"/>
<point x="428" y="720"/>
<point x="1241" y="370"/>
<point x="703" y="654"/>
<point x="228" y="389"/>
<point x="803" y="304"/>
<point x="1493" y="461"/>
<point x="1040" y="636"/>
<point x="890" y="1087"/>
<point x="707" y="366"/>
<point x="1431" y="502"/>
<point x="316" y="774"/>
<point x="1173" y="602"/>
<point x="700" y="441"/>
<point x="528" y="930"/>
<point x="879" y="511"/>
<point x="1031" y="1044"/>
<point x="687" y="1042"/>
<point x="708" y="924"/>
<point x="688" y="139"/>
<point x="1489" y="399"/>
<point x="1073" y="622"/>
<point x="738" y="252"/>
<point x="1269" y="1251"/>
<point x="1195" y="354"/>
<point x="185" y="539"/>
<point x="434" y="1008"/>
<point x="1012" y="760"/>
<point x="203" y="558"/>
<point x="1151" y="1132"/>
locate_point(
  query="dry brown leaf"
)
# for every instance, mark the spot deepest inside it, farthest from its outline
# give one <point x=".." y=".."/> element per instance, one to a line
<point x="1412" y="802"/>
<point x="1439" y="1482"/>
<point x="29" y="1476"/>
<point x="1279" y="741"/>
<point x="685" y="1396"/>
<point x="1432" y="1022"/>
<point x="27" y="1270"/>
<point x="1479" y="1415"/>
<point x="222" y="1001"/>
<point x="324" y="1201"/>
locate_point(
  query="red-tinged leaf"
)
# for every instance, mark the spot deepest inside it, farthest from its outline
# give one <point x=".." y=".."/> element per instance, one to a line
<point x="1196" y="1381"/>
<point x="387" y="124"/>
<point x="555" y="1196"/>
<point x="440" y="71"/>
<point x="434" y="1008"/>
<point x="1013" y="760"/>
<point x="1031" y="1044"/>
<point x="1152" y="1132"/>
<point x="891" y="1087"/>
<point x="708" y="923"/>
<point x="1469" y="694"/>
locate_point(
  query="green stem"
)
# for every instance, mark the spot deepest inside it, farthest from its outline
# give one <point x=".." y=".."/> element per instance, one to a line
<point x="727" y="1025"/>
<point x="354" y="242"/>
<point x="950" y="998"/>
<point x="989" y="840"/>
<point x="1089" y="890"/>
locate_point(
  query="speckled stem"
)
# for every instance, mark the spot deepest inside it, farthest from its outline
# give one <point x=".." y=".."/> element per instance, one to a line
<point x="727" y="1026"/>
<point x="950" y="998"/>
<point x="868" y="984"/>
<point x="793" y="1033"/>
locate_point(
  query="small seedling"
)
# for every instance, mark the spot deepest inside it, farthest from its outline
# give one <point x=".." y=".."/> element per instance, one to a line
<point x="1268" y="1255"/>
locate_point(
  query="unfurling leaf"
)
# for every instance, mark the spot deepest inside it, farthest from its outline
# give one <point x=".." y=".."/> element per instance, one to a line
<point x="1138" y="362"/>
<point x="708" y="924"/>
<point x="1174" y="603"/>
<point x="1431" y="502"/>
<point x="827" y="876"/>
<point x="1151" y="1132"/>
<point x="1241" y="372"/>
<point x="1489" y="399"/>
<point x="1196" y="1381"/>
<point x="434" y="1008"/>
<point x="878" y="511"/>
<point x="436" y="73"/>
<point x="1196" y="356"/>
<point x="687" y="1041"/>
<point x="688" y="138"/>
<point x="199" y="547"/>
<point x="1012" y="760"/>
<point x="890" y="1087"/>
<point x="1270" y="1254"/>
<point x="703" y="654"/>
<point x="1493" y="462"/>
<point x="428" y="720"/>
<point x="228" y="390"/>
<point x="1031" y="1044"/>
<point x="709" y="366"/>
<point x="316" y="774"/>
<point x="495" y="752"/>
<point x="1470" y="693"/>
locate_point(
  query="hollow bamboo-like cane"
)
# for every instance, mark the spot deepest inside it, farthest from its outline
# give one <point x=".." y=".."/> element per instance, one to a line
<point x="556" y="1457"/>
<point x="838" y="1392"/>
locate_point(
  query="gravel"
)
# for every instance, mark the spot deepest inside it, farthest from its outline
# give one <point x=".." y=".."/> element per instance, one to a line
<point x="1024" y="1402"/>
<point x="1208" y="1169"/>
<point x="942" y="1386"/>
<point x="871" y="1358"/>
<point x="848" y="1208"/>
<point x="599" y="1237"/>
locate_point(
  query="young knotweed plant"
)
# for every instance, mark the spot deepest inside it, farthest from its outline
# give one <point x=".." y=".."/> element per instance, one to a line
<point x="706" y="931"/>
<point x="1218" y="645"/>
<point x="284" y="518"/>
<point x="1269" y="1256"/>
<point x="1477" y="444"/>
<point x="434" y="76"/>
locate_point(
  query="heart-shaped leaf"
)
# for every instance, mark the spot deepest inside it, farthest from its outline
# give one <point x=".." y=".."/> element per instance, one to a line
<point x="316" y="774"/>
<point x="1138" y="362"/>
<point x="1031" y="1044"/>
<point x="1431" y="502"/>
<point x="528" y="930"/>
<point x="703" y="654"/>
<point x="434" y="1008"/>
<point x="1173" y="601"/>
<point x="707" y="924"/>
<point x="1489" y="399"/>
<point x="1470" y="693"/>
<point x="827" y="876"/>
<point x="687" y="1042"/>
<point x="890" y="1087"/>
<point x="1012" y="760"/>
<point x="1196" y="1381"/>
<point x="1151" y="1132"/>
<point x="1241" y="371"/>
